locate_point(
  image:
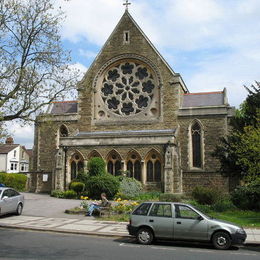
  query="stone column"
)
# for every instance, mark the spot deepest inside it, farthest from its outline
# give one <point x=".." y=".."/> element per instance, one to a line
<point x="169" y="169"/>
<point x="143" y="172"/>
<point x="59" y="170"/>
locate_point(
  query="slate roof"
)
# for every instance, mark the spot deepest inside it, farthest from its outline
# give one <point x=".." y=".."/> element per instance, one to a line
<point x="64" y="107"/>
<point x="6" y="148"/>
<point x="204" y="99"/>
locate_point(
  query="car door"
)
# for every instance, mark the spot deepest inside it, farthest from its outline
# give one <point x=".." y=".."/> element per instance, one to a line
<point x="6" y="202"/>
<point x="160" y="219"/>
<point x="189" y="225"/>
<point x="14" y="197"/>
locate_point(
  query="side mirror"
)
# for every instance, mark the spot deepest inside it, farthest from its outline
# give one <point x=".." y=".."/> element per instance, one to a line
<point x="5" y="197"/>
<point x="200" y="218"/>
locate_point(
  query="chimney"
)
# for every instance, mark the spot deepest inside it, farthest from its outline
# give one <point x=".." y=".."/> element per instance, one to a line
<point x="9" y="140"/>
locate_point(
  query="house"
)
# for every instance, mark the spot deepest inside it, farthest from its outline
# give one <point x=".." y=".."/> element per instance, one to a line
<point x="135" y="112"/>
<point x="13" y="157"/>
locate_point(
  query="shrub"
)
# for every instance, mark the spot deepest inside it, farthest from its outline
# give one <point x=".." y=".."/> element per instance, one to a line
<point x="81" y="177"/>
<point x="70" y="194"/>
<point x="129" y="188"/>
<point x="169" y="197"/>
<point x="78" y="187"/>
<point x="205" y="196"/>
<point x="14" y="180"/>
<point x="149" y="195"/>
<point x="102" y="183"/>
<point x="96" y="166"/>
<point x="57" y="194"/>
<point x="247" y="197"/>
<point x="223" y="205"/>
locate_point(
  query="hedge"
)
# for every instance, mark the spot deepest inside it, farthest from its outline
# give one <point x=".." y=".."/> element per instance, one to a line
<point x="14" y="180"/>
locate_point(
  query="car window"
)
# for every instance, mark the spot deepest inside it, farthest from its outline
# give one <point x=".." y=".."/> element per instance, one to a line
<point x="12" y="193"/>
<point x="6" y="193"/>
<point x="182" y="211"/>
<point x="161" y="210"/>
<point x="142" y="209"/>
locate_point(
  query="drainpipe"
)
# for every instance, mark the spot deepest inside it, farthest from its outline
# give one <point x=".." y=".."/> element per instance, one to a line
<point x="65" y="149"/>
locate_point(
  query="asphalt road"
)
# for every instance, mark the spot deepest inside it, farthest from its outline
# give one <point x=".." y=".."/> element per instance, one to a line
<point x="20" y="244"/>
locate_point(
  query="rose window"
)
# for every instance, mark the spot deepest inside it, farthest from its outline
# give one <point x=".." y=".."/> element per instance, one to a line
<point x="128" y="88"/>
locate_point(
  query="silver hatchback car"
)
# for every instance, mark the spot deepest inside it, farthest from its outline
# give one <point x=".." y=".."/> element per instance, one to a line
<point x="178" y="221"/>
<point x="11" y="201"/>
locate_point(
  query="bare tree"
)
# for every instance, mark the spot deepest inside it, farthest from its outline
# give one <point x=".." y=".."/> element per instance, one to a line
<point x="34" y="68"/>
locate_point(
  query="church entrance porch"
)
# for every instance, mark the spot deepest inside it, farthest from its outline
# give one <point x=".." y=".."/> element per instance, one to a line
<point x="136" y="154"/>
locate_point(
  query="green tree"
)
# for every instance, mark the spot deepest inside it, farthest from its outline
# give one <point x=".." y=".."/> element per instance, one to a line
<point x="34" y="68"/>
<point x="96" y="166"/>
<point x="239" y="152"/>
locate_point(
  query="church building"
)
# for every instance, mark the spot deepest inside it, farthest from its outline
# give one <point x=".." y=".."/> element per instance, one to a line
<point x="136" y="113"/>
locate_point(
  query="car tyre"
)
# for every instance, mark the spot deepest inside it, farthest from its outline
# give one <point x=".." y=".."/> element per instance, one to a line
<point x="221" y="240"/>
<point x="145" y="236"/>
<point x="19" y="209"/>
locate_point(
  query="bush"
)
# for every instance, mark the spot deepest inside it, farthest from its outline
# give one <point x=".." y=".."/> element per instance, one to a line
<point x="57" y="194"/>
<point x="81" y="177"/>
<point x="149" y="195"/>
<point x="129" y="188"/>
<point x="169" y="197"/>
<point x="205" y="196"/>
<point x="78" y="187"/>
<point x="14" y="180"/>
<point x="96" y="166"/>
<point x="70" y="194"/>
<point x="102" y="183"/>
<point x="247" y="197"/>
<point x="223" y="205"/>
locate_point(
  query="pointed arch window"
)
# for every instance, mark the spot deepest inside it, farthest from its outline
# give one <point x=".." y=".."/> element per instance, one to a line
<point x="134" y="166"/>
<point x="196" y="139"/>
<point x="154" y="167"/>
<point x="64" y="131"/>
<point x="76" y="165"/>
<point x="114" y="165"/>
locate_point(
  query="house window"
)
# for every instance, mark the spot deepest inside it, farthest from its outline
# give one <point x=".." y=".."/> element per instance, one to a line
<point x="22" y="167"/>
<point x="22" y="154"/>
<point x="14" y="153"/>
<point x="196" y="140"/>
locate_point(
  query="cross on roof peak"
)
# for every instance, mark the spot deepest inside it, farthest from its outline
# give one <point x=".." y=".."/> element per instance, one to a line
<point x="126" y="4"/>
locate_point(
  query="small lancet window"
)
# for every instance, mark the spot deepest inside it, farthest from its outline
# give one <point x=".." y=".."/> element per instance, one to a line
<point x="196" y="145"/>
<point x="126" y="37"/>
<point x="63" y="131"/>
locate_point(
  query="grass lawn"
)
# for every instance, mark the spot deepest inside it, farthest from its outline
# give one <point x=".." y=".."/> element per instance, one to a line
<point x="243" y="218"/>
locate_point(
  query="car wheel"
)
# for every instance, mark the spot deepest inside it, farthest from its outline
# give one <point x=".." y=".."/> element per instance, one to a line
<point x="19" y="209"/>
<point x="221" y="240"/>
<point x="145" y="236"/>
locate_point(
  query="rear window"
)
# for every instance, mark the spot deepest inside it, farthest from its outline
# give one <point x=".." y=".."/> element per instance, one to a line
<point x="142" y="209"/>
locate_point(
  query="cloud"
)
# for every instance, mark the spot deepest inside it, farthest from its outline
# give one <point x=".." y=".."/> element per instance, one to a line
<point x="22" y="134"/>
<point x="212" y="43"/>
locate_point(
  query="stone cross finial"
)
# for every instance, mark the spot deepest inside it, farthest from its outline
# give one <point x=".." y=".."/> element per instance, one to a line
<point x="126" y="5"/>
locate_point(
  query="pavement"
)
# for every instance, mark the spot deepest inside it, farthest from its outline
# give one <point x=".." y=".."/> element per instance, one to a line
<point x="45" y="213"/>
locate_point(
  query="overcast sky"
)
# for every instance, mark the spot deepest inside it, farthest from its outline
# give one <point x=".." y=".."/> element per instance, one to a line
<point x="212" y="43"/>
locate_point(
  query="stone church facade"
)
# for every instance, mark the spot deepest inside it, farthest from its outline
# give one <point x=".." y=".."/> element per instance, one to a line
<point x="137" y="114"/>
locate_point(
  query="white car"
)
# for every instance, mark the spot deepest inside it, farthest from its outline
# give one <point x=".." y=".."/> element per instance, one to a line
<point x="11" y="201"/>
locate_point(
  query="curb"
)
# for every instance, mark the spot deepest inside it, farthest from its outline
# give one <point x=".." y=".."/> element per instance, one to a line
<point x="65" y="231"/>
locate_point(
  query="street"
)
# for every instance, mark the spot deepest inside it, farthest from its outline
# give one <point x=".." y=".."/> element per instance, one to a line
<point x="21" y="244"/>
